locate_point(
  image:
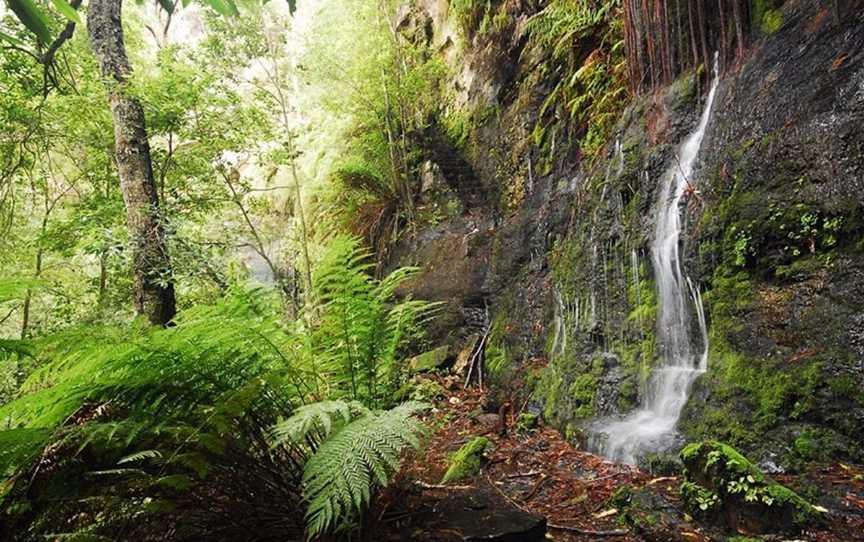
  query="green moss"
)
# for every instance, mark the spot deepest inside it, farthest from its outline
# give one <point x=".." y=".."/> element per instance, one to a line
<point x="582" y="391"/>
<point x="763" y="9"/>
<point x="775" y="391"/>
<point x="430" y="360"/>
<point x="621" y="497"/>
<point x="719" y="476"/>
<point x="807" y="445"/>
<point x="465" y="463"/>
<point x="457" y="128"/>
<point x="846" y="386"/>
<point x="772" y="20"/>
<point x="499" y="359"/>
<point x="684" y="88"/>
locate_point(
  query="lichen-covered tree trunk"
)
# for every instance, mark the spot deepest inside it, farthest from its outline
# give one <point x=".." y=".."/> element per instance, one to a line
<point x="153" y="295"/>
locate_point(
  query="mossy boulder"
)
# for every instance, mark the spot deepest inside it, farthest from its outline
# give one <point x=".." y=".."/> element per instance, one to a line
<point x="723" y="486"/>
<point x="465" y="463"/>
<point x="429" y="361"/>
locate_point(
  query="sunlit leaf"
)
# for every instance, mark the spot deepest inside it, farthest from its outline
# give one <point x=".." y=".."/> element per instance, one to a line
<point x="32" y="17"/>
<point x="66" y="10"/>
<point x="224" y="7"/>
<point x="11" y="39"/>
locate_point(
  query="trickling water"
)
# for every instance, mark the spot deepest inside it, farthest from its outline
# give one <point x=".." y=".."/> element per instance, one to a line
<point x="634" y="277"/>
<point x="683" y="356"/>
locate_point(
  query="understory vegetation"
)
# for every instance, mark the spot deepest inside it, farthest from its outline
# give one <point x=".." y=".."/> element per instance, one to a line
<point x="230" y="421"/>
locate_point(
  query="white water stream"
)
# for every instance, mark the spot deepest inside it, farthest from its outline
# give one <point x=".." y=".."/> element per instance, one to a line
<point x="683" y="342"/>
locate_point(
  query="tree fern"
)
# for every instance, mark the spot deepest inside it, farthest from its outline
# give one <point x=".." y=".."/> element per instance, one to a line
<point x="361" y="329"/>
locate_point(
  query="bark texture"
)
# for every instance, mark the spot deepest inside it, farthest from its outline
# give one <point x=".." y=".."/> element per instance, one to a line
<point x="153" y="296"/>
<point x="665" y="38"/>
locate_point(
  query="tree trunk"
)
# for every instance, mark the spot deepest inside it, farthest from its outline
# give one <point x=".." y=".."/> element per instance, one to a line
<point x="739" y="30"/>
<point x="28" y="296"/>
<point x="153" y="297"/>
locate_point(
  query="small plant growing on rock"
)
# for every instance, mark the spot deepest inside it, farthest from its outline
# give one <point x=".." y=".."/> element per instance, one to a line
<point x="722" y="481"/>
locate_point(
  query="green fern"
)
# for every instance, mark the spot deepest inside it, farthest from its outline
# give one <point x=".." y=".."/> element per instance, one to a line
<point x="206" y="419"/>
<point x="590" y="85"/>
<point x="361" y="329"/>
<point x="358" y="456"/>
<point x="321" y="417"/>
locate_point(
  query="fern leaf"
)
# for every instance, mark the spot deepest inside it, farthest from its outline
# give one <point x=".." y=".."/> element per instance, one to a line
<point x="138" y="456"/>
<point x="316" y="416"/>
<point x="341" y="475"/>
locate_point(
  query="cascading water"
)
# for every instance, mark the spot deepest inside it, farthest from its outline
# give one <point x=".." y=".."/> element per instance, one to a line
<point x="683" y="356"/>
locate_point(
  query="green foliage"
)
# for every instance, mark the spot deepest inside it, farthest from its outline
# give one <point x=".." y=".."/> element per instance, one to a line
<point x="319" y="417"/>
<point x="591" y="89"/>
<point x="169" y="412"/>
<point x="372" y="108"/>
<point x="527" y="422"/>
<point x="698" y="497"/>
<point x="719" y="476"/>
<point x="188" y="414"/>
<point x="361" y="334"/>
<point x="427" y="391"/>
<point x="465" y="463"/>
<point x="362" y="452"/>
<point x="33" y="17"/>
<point x="468" y="12"/>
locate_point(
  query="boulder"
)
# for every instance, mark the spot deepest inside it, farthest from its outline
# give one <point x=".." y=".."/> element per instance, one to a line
<point x="725" y="487"/>
<point x="478" y="515"/>
<point x="430" y="360"/>
<point x="463" y="359"/>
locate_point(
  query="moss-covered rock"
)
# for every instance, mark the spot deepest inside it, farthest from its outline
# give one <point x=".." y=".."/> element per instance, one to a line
<point x="465" y="463"/>
<point x="430" y="360"/>
<point x="723" y="486"/>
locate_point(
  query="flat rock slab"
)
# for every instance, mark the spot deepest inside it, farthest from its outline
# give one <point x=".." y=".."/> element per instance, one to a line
<point x="475" y="515"/>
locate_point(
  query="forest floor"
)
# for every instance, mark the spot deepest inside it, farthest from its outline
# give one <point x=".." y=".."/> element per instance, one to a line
<point x="579" y="494"/>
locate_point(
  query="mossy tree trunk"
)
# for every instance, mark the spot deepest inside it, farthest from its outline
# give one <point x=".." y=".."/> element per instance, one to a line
<point x="153" y="294"/>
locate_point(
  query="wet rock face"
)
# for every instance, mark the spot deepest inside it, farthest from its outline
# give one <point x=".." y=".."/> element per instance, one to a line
<point x="775" y="240"/>
<point x="778" y="244"/>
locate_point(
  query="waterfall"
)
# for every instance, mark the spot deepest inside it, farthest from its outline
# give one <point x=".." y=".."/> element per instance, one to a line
<point x="683" y="342"/>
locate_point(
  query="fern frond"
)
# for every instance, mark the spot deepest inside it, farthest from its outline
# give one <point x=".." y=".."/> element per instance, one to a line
<point x="341" y="475"/>
<point x="138" y="456"/>
<point x="321" y="417"/>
